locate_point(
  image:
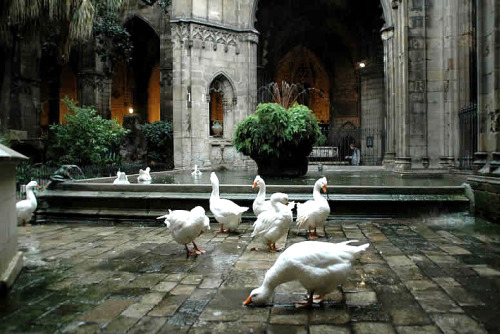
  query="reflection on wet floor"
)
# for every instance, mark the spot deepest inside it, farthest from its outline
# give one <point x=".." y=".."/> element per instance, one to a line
<point x="425" y="275"/>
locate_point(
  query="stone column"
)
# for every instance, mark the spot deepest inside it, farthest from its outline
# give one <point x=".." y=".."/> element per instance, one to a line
<point x="94" y="87"/>
<point x="488" y="52"/>
<point x="403" y="159"/>
<point x="181" y="95"/>
<point x="166" y="106"/>
<point x="387" y="35"/>
<point x="11" y="261"/>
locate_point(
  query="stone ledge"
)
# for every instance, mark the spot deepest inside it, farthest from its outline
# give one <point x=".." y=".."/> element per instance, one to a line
<point x="13" y="269"/>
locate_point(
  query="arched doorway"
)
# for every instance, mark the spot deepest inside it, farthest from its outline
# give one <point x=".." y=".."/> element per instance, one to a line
<point x="136" y="84"/>
<point x="324" y="55"/>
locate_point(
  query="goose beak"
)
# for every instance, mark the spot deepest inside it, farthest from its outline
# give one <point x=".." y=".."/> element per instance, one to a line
<point x="254" y="185"/>
<point x="324" y="188"/>
<point x="38" y="186"/>
<point x="248" y="301"/>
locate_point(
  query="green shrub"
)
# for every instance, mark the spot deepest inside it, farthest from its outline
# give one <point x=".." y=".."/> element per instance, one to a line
<point x="84" y="138"/>
<point x="5" y="140"/>
<point x="274" y="131"/>
<point x="158" y="139"/>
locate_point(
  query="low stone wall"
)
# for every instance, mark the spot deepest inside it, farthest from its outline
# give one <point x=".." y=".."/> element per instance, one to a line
<point x="136" y="203"/>
<point x="486" y="196"/>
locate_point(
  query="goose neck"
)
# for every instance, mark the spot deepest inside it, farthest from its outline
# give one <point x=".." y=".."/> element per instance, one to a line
<point x="262" y="191"/>
<point x="30" y="195"/>
<point x="317" y="192"/>
<point x="215" y="190"/>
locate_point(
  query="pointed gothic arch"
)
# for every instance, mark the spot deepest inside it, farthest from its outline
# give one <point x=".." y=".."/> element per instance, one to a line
<point x="221" y="97"/>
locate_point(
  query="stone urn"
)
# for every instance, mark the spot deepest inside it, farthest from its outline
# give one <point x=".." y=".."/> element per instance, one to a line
<point x="216" y="129"/>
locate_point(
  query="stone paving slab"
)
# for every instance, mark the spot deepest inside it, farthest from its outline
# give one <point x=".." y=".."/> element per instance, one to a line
<point x="428" y="275"/>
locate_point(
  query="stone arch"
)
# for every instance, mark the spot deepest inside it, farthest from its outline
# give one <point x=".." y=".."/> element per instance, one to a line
<point x="221" y="97"/>
<point x="132" y="16"/>
<point x="136" y="84"/>
<point x="386" y="8"/>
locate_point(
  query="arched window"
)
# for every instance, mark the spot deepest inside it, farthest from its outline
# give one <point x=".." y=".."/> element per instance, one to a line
<point x="221" y="99"/>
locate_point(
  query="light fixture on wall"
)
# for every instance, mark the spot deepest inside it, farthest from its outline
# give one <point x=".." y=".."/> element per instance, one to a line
<point x="130" y="110"/>
<point x="362" y="64"/>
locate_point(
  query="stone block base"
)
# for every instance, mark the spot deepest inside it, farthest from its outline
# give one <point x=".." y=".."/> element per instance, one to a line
<point x="8" y="277"/>
<point x="486" y="196"/>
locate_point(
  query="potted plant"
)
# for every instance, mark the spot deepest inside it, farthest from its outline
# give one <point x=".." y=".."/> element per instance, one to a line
<point x="279" y="140"/>
<point x="216" y="128"/>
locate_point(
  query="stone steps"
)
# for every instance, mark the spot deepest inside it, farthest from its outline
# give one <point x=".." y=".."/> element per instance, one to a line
<point x="68" y="202"/>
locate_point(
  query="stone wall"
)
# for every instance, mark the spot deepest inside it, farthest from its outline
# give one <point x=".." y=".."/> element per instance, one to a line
<point x="372" y="115"/>
<point x="208" y="42"/>
<point x="10" y="258"/>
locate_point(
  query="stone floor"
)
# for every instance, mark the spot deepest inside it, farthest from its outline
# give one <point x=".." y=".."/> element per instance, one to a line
<point x="427" y="275"/>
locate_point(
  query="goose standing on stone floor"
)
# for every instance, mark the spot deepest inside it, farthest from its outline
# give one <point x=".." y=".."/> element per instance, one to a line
<point x="226" y="212"/>
<point x="26" y="208"/>
<point x="260" y="204"/>
<point x="319" y="266"/>
<point x="272" y="224"/>
<point x="186" y="226"/>
<point x="313" y="213"/>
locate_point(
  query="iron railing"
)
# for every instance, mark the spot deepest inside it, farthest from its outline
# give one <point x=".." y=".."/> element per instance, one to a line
<point x="468" y="135"/>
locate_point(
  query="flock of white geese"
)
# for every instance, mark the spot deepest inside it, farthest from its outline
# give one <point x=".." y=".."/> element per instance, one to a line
<point x="319" y="266"/>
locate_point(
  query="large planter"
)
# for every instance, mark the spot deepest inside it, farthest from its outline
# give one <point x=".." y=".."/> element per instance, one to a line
<point x="291" y="167"/>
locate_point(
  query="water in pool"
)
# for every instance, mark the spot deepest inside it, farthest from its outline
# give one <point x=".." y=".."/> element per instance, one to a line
<point x="340" y="177"/>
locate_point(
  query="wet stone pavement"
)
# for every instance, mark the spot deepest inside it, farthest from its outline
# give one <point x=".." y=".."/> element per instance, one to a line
<point x="426" y="275"/>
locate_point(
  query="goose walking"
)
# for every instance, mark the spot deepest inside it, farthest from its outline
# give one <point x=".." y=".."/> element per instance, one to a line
<point x="26" y="208"/>
<point x="225" y="211"/>
<point x="187" y="226"/>
<point x="260" y="204"/>
<point x="273" y="223"/>
<point x="313" y="213"/>
<point x="319" y="266"/>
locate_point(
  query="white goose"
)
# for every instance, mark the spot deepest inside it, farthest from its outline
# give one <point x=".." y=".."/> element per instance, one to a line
<point x="260" y="204"/>
<point x="226" y="212"/>
<point x="144" y="176"/>
<point x="319" y="266"/>
<point x="27" y="207"/>
<point x="187" y="226"/>
<point x="273" y="223"/>
<point x="196" y="171"/>
<point x="121" y="178"/>
<point x="313" y="213"/>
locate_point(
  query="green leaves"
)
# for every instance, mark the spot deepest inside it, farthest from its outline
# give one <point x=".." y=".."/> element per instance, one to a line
<point x="274" y="131"/>
<point x="158" y="137"/>
<point x="84" y="137"/>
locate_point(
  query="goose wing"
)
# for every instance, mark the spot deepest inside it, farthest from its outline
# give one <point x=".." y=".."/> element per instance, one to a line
<point x="265" y="222"/>
<point x="225" y="207"/>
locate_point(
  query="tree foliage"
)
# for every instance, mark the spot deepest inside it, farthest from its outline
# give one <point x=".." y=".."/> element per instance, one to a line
<point x="276" y="132"/>
<point x="158" y="139"/>
<point x="84" y="137"/>
<point x="65" y="22"/>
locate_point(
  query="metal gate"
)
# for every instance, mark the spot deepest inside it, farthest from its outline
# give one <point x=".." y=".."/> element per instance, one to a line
<point x="371" y="143"/>
<point x="468" y="135"/>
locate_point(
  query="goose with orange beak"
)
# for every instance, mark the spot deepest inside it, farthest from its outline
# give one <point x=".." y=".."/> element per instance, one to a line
<point x="26" y="207"/>
<point x="312" y="214"/>
<point x="273" y="223"/>
<point x="319" y="266"/>
<point x="260" y="204"/>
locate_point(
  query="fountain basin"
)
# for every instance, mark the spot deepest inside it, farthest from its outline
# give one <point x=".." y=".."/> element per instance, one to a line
<point x="135" y="203"/>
